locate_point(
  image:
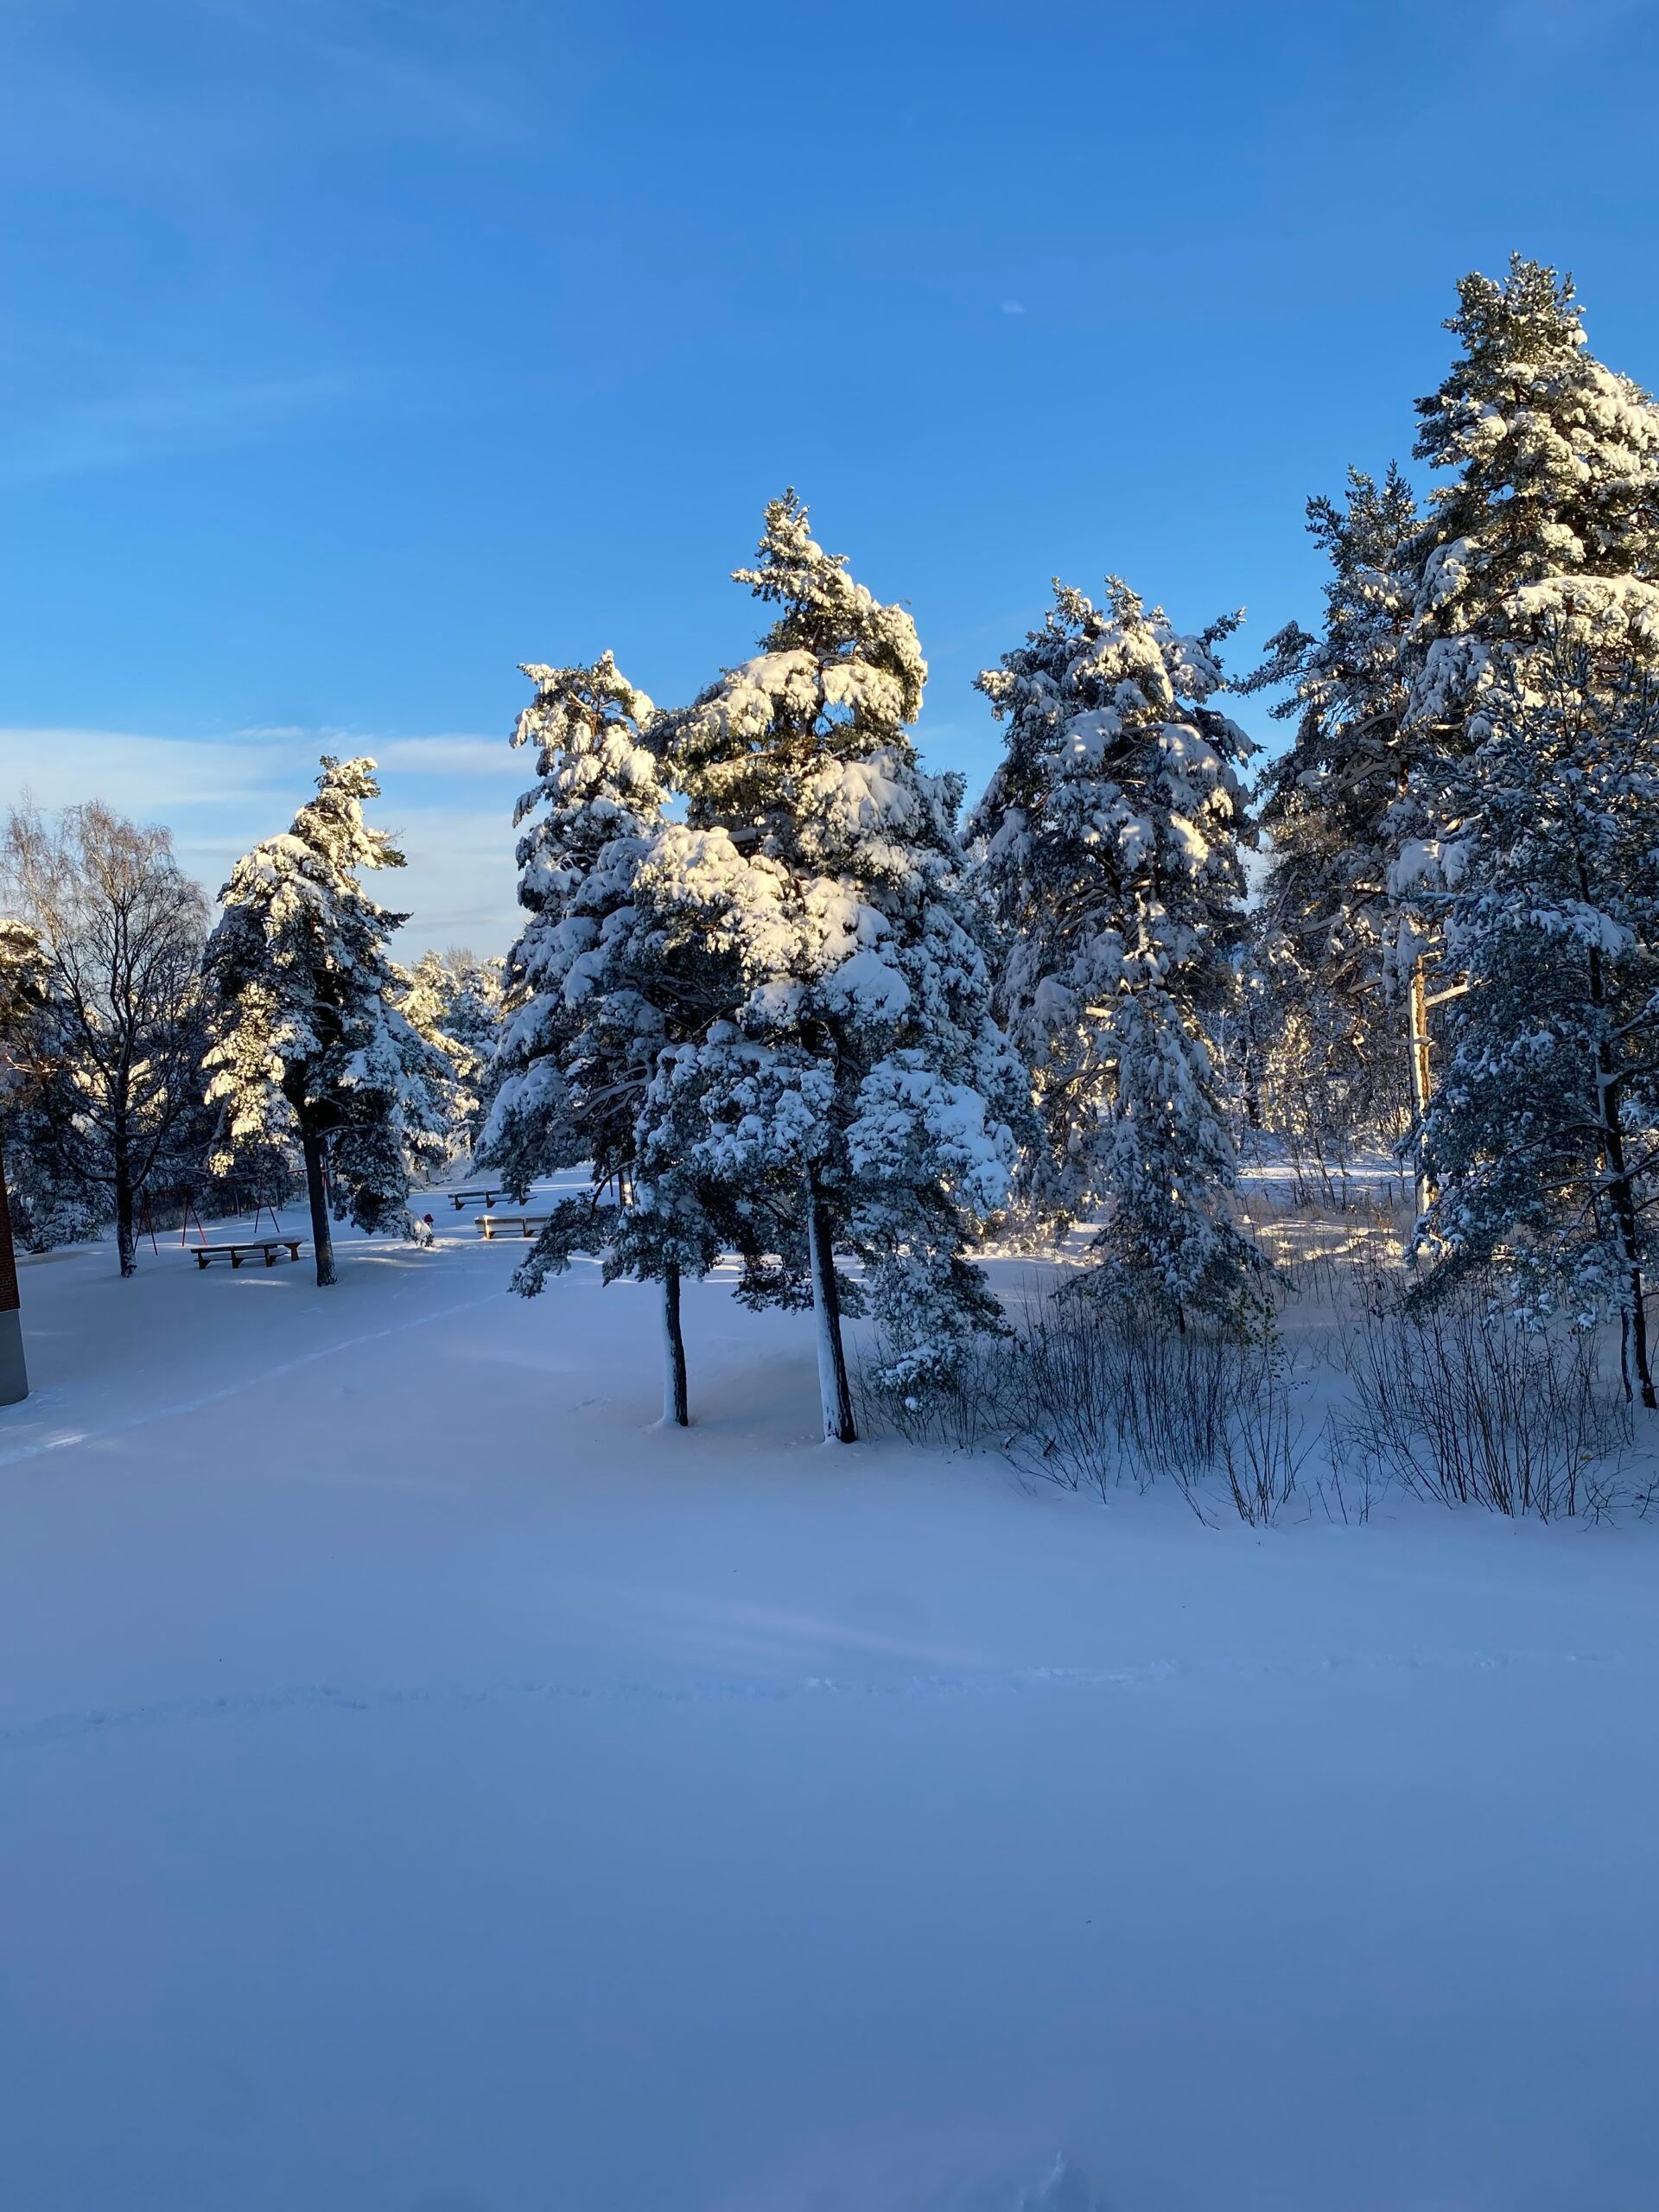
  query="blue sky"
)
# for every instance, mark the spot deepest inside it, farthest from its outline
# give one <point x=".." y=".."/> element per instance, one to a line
<point x="357" y="349"/>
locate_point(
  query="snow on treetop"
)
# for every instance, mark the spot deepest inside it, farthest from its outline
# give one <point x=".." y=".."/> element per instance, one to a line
<point x="829" y="614"/>
<point x="560" y="692"/>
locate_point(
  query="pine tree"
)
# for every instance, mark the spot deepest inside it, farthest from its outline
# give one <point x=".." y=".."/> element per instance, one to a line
<point x="589" y="1006"/>
<point x="600" y="801"/>
<point x="307" y="1043"/>
<point x="1110" y="840"/>
<point x="1325" y="929"/>
<point x="46" y="1207"/>
<point x="864" y="1048"/>
<point x="1550" y="525"/>
<point x="453" y="1001"/>
<point x="1553" y="503"/>
<point x="1543" y="1138"/>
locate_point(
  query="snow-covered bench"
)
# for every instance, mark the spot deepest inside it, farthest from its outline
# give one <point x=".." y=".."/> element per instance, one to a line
<point x="525" y="1223"/>
<point x="270" y="1246"/>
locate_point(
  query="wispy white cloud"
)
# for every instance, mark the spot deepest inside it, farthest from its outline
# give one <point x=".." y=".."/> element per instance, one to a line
<point x="141" y="775"/>
<point x="123" y="429"/>
<point x="1013" y="307"/>
<point x="253" y="80"/>
<point x="222" y="795"/>
<point x="451" y="756"/>
<point x="1558" y="23"/>
<point x="365" y="47"/>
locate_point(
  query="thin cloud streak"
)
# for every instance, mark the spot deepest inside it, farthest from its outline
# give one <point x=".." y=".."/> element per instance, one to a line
<point x="1559" y="24"/>
<point x="129" y="429"/>
<point x="263" y="76"/>
<point x="451" y="756"/>
<point x="222" y="795"/>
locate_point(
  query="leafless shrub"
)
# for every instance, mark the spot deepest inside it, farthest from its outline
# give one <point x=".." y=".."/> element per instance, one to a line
<point x="1088" y="1396"/>
<point x="1099" y="1393"/>
<point x="1263" y="1454"/>
<point x="1465" y="1406"/>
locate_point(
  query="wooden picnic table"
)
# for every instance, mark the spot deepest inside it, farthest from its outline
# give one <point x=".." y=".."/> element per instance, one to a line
<point x="237" y="1249"/>
<point x="460" y="1200"/>
<point x="525" y="1223"/>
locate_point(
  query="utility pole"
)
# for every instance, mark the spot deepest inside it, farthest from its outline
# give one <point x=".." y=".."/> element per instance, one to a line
<point x="1417" y="1046"/>
<point x="1418" y="999"/>
<point x="14" y="1375"/>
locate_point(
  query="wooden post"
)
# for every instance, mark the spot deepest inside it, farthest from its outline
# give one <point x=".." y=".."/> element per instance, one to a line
<point x="1417" y="1044"/>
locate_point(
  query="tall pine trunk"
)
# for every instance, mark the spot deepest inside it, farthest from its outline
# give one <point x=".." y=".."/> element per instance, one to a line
<point x="1624" y="1204"/>
<point x="322" y="1237"/>
<point x="126" y="1241"/>
<point x="14" y="1375"/>
<point x="835" y="1397"/>
<point x="676" y="1403"/>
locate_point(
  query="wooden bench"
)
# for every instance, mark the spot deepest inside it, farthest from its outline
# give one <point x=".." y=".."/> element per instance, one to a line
<point x="460" y="1200"/>
<point x="525" y="1223"/>
<point x="270" y="1246"/>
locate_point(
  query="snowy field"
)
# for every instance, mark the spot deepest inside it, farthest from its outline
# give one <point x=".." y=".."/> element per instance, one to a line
<point x="430" y="1788"/>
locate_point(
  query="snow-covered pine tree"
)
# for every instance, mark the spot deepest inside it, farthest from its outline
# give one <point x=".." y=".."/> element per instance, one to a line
<point x="1553" y="503"/>
<point x="1543" y="1138"/>
<point x="46" y="1208"/>
<point x="1551" y="517"/>
<point x="473" y="997"/>
<point x="1325" y="928"/>
<point x="865" y="1041"/>
<point x="453" y="999"/>
<point x="595" y="998"/>
<point x="1110" y="839"/>
<point x="307" y="1043"/>
<point x="600" y="798"/>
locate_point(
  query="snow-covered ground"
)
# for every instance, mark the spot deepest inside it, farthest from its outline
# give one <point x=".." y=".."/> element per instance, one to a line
<point x="430" y="1788"/>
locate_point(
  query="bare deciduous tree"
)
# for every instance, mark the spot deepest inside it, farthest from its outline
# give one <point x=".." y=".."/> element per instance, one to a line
<point x="122" y="928"/>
